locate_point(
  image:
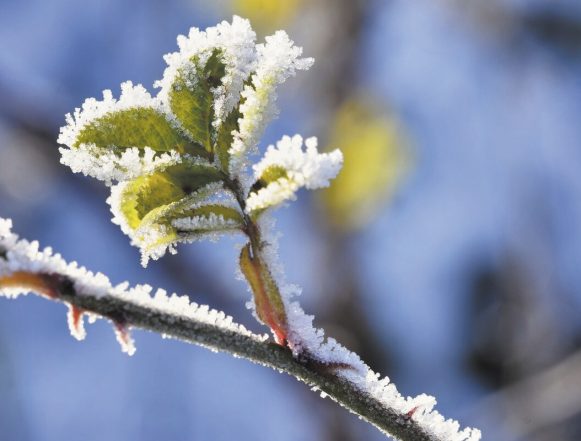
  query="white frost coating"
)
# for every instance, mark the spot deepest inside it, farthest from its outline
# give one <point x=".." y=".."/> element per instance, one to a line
<point x="236" y="41"/>
<point x="309" y="169"/>
<point x="278" y="59"/>
<point x="109" y="167"/>
<point x="25" y="256"/>
<point x="211" y="222"/>
<point x="304" y="337"/>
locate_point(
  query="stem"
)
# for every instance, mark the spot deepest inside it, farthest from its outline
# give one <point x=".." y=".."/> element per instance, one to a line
<point x="134" y="315"/>
<point x="267" y="299"/>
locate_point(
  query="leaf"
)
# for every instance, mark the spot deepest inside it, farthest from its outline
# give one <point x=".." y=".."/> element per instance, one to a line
<point x="135" y="127"/>
<point x="267" y="298"/>
<point x="191" y="98"/>
<point x="269" y="175"/>
<point x="377" y="157"/>
<point x="225" y="137"/>
<point x="268" y="15"/>
<point x="150" y="196"/>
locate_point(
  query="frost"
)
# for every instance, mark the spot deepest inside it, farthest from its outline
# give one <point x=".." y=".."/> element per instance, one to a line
<point x="278" y="59"/>
<point x="212" y="222"/>
<point x="109" y="166"/>
<point x="309" y="169"/>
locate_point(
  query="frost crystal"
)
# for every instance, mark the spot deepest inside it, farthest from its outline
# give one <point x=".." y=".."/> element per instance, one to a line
<point x="109" y="167"/>
<point x="212" y="222"/>
<point x="309" y="169"/>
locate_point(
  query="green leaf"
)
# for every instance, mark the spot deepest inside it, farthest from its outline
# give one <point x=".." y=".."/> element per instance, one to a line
<point x="191" y="98"/>
<point x="270" y="174"/>
<point x="136" y="127"/>
<point x="225" y="137"/>
<point x="152" y="196"/>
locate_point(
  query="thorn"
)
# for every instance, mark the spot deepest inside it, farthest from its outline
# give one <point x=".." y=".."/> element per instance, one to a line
<point x="124" y="338"/>
<point x="76" y="322"/>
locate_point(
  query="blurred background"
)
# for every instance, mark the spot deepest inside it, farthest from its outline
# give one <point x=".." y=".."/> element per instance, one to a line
<point x="447" y="253"/>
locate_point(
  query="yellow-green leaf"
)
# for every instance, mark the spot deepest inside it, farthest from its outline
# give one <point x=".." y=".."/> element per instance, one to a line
<point x="135" y="127"/>
<point x="208" y="218"/>
<point x="268" y="15"/>
<point x="376" y="158"/>
<point x="271" y="174"/>
<point x="225" y="137"/>
<point x="191" y="98"/>
<point x="152" y="196"/>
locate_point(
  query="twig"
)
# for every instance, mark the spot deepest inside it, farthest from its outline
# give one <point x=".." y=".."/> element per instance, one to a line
<point x="250" y="347"/>
<point x="24" y="268"/>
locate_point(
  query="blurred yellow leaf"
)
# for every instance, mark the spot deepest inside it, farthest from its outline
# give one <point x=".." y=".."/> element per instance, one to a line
<point x="267" y="15"/>
<point x="376" y="158"/>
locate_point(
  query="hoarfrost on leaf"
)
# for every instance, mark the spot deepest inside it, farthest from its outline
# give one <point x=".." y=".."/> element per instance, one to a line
<point x="278" y="59"/>
<point x="287" y="167"/>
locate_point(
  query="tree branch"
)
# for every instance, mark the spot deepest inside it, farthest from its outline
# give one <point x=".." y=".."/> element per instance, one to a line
<point x="23" y="269"/>
<point x="246" y="346"/>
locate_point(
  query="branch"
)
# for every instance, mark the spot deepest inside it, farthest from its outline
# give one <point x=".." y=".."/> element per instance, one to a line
<point x="24" y="269"/>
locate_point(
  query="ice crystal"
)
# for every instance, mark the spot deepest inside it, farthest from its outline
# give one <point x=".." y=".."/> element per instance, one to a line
<point x="110" y="167"/>
<point x="211" y="222"/>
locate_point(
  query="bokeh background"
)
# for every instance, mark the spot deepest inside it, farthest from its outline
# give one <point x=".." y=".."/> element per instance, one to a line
<point x="447" y="253"/>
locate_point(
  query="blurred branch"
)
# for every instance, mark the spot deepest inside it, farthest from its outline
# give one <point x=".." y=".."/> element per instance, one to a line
<point x="542" y="400"/>
<point x="549" y="25"/>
